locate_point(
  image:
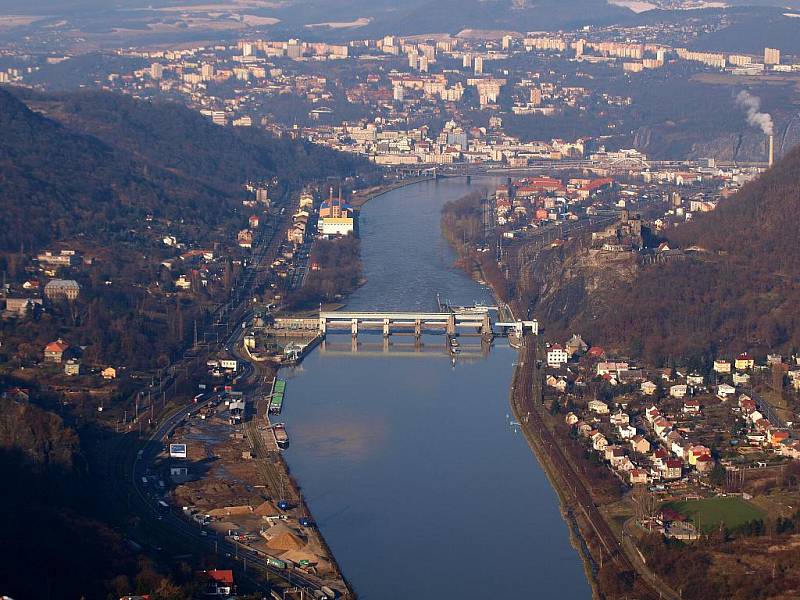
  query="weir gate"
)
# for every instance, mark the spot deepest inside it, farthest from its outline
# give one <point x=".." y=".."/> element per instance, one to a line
<point x="449" y="323"/>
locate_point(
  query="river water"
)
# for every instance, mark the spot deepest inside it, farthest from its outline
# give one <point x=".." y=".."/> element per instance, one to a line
<point x="409" y="463"/>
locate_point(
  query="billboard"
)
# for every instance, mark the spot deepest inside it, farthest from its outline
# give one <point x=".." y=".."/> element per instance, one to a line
<point x="177" y="450"/>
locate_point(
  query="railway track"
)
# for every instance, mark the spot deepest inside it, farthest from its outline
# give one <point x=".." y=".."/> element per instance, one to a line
<point x="527" y="405"/>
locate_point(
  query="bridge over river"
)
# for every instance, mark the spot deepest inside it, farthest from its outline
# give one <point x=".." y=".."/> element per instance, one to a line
<point x="448" y="322"/>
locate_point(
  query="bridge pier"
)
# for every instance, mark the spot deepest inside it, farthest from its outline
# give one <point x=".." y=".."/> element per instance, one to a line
<point x="486" y="327"/>
<point x="354" y="327"/>
<point x="386" y="328"/>
<point x="418" y="328"/>
<point x="451" y="325"/>
<point x="323" y="325"/>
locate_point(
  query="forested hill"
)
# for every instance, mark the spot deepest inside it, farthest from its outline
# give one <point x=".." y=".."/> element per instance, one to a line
<point x="759" y="224"/>
<point x="189" y="144"/>
<point x="93" y="163"/>
<point x="739" y="288"/>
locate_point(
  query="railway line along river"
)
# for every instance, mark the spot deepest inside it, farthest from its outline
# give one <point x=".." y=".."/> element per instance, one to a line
<point x="411" y="464"/>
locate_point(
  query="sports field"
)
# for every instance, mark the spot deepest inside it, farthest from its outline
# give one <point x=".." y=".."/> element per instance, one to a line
<point x="710" y="512"/>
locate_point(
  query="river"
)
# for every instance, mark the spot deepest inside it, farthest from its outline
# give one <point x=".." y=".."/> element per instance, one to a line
<point x="411" y="465"/>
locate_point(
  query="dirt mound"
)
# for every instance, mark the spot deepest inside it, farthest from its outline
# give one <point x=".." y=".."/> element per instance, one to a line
<point x="282" y="537"/>
<point x="265" y="509"/>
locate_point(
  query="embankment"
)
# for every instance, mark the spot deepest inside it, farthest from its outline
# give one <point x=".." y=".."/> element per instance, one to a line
<point x="360" y="198"/>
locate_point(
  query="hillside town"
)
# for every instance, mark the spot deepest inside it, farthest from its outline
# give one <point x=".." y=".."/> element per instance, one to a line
<point x="679" y="432"/>
<point x="438" y="100"/>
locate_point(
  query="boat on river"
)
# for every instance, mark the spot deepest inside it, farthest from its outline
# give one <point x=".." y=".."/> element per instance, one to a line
<point x="276" y="400"/>
<point x="281" y="437"/>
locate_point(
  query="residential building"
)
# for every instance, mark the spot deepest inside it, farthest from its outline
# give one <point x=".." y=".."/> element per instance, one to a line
<point x="678" y="391"/>
<point x="64" y="258"/>
<point x="648" y="387"/>
<point x="611" y="368"/>
<point x="640" y="444"/>
<point x="598" y="406"/>
<point x="704" y="464"/>
<point x="576" y="345"/>
<point x="54" y="351"/>
<point x="744" y="362"/>
<point x="695" y="379"/>
<point x="218" y="582"/>
<point x="741" y="378"/>
<point x="556" y="356"/>
<point x="724" y="390"/>
<point x="691" y="407"/>
<point x="72" y="367"/>
<point x="599" y="442"/>
<point x="637" y="477"/>
<point x="620" y="419"/>
<point x="673" y="468"/>
<point x="772" y="56"/>
<point x="57" y="289"/>
<point x="722" y="366"/>
<point x="22" y="306"/>
<point x="245" y="238"/>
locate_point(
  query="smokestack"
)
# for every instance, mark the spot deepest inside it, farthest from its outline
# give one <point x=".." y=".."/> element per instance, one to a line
<point x="771" y="150"/>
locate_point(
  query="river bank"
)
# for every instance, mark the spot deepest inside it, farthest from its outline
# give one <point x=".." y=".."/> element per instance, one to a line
<point x="476" y="265"/>
<point x="383" y="478"/>
<point x="360" y="198"/>
<point x="559" y="484"/>
<point x="295" y="497"/>
<point x="590" y="532"/>
<point x="556" y="478"/>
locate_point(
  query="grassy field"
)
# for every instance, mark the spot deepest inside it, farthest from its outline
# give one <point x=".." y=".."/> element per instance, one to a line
<point x="732" y="511"/>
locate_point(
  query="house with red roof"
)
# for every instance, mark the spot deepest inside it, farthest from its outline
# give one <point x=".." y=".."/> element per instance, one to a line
<point x="54" y="351"/>
<point x="673" y="468"/>
<point x="637" y="476"/>
<point x="744" y="362"/>
<point x="704" y="463"/>
<point x="218" y="582"/>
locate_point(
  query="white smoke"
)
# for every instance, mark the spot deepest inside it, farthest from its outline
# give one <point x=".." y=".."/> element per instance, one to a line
<point x="754" y="117"/>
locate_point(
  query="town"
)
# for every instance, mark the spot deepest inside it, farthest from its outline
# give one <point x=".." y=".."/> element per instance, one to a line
<point x="588" y="229"/>
<point x="438" y="100"/>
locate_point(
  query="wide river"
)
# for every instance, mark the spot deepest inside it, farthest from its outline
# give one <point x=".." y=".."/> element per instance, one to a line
<point x="409" y="463"/>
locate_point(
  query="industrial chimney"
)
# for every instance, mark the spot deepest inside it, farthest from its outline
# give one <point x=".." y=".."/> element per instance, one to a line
<point x="771" y="150"/>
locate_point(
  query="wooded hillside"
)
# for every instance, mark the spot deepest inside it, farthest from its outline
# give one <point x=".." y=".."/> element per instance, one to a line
<point x="95" y="163"/>
<point x="738" y="290"/>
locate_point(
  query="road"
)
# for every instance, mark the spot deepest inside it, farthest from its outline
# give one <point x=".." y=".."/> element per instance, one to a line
<point x="766" y="409"/>
<point x="621" y="163"/>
